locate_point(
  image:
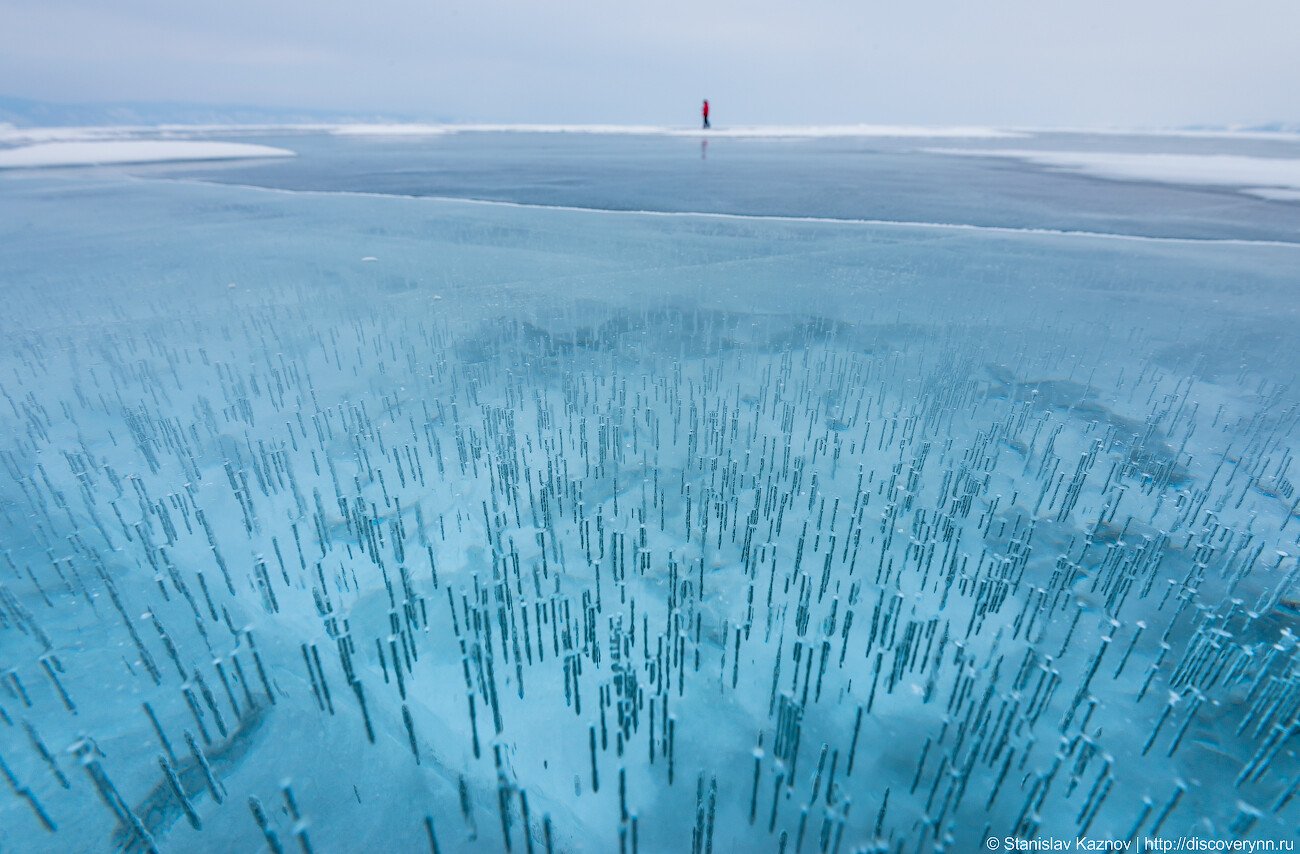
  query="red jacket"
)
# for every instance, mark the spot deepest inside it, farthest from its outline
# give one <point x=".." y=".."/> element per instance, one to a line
<point x="706" y="109"/>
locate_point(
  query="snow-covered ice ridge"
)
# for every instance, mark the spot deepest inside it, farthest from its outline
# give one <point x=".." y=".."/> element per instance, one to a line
<point x="1266" y="177"/>
<point x="103" y="152"/>
<point x="9" y="134"/>
<point x="410" y="548"/>
<point x="749" y="131"/>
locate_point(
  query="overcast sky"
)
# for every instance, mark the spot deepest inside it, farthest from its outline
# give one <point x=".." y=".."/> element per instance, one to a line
<point x="1026" y="62"/>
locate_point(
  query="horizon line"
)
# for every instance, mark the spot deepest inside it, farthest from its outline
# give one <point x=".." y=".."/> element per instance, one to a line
<point x="11" y="132"/>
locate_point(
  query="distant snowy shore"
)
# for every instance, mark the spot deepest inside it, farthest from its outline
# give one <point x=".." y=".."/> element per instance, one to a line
<point x="15" y="135"/>
<point x="19" y="135"/>
<point x="103" y="152"/>
<point x="11" y="135"/>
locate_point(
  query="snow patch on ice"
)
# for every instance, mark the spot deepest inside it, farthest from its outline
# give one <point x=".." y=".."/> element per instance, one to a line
<point x="90" y="153"/>
<point x="1268" y="177"/>
<point x="11" y="135"/>
<point x="1274" y="194"/>
<point x="1280" y="135"/>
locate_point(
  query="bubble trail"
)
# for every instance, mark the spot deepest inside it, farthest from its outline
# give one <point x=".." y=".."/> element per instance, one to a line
<point x="906" y="578"/>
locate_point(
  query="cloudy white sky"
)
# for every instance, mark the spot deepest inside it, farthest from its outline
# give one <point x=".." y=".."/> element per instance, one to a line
<point x="1035" y="62"/>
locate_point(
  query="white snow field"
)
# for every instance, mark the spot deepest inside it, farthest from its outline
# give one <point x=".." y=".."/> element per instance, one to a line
<point x="364" y="521"/>
<point x="1267" y="177"/>
<point x="104" y="152"/>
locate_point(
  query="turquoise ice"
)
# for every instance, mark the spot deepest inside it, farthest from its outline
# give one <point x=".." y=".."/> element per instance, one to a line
<point x="339" y="512"/>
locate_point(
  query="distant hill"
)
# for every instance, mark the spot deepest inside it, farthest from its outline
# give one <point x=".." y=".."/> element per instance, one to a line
<point x="24" y="112"/>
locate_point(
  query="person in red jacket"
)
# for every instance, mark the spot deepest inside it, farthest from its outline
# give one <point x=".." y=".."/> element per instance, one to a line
<point x="705" y="111"/>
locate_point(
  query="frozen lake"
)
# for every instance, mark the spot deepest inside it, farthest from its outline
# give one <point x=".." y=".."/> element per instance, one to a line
<point x="594" y="492"/>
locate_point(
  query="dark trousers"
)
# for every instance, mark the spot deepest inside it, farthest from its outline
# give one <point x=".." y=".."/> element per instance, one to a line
<point x="706" y="122"/>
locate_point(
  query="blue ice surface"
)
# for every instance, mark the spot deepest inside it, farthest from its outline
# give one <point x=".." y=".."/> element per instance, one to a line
<point x="849" y="178"/>
<point x="344" y="520"/>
